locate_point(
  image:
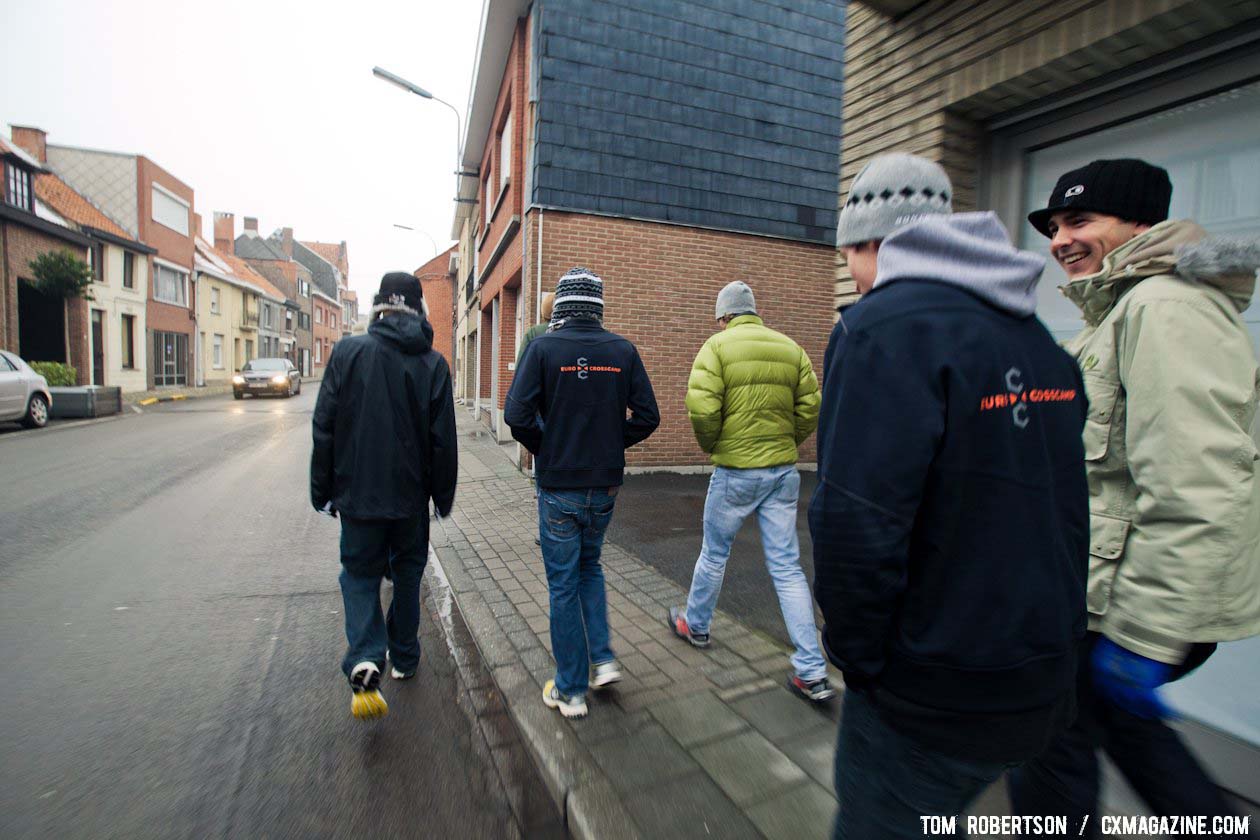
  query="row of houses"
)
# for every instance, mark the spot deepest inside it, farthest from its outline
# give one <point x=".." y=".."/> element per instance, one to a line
<point x="167" y="307"/>
<point x="673" y="147"/>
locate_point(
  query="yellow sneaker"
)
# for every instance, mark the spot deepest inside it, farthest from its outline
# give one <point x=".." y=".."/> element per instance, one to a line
<point x="366" y="701"/>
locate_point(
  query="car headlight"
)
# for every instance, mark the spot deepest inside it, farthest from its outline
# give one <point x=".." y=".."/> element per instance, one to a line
<point x="279" y="379"/>
<point x="238" y="380"/>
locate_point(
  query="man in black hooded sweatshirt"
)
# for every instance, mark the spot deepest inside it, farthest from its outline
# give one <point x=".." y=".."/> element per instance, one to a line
<point x="385" y="444"/>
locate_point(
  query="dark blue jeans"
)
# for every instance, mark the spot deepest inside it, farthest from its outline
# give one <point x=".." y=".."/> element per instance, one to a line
<point x="571" y="525"/>
<point x="369" y="548"/>
<point x="1063" y="780"/>
<point x="886" y="782"/>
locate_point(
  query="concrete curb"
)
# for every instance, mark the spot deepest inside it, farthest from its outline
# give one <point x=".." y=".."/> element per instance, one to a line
<point x="171" y="398"/>
<point x="591" y="808"/>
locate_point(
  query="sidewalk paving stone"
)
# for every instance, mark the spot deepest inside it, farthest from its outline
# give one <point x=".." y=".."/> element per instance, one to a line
<point x="748" y="767"/>
<point x="804" y="813"/>
<point x="688" y="808"/>
<point x="698" y="718"/>
<point x="778" y="715"/>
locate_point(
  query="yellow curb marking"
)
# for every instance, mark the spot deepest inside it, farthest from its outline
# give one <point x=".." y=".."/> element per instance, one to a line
<point x="148" y="401"/>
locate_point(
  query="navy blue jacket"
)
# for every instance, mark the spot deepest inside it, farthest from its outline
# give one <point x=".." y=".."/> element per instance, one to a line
<point x="568" y="401"/>
<point x="950" y="524"/>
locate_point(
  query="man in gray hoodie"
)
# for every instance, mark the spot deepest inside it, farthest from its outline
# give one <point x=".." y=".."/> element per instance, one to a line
<point x="950" y="523"/>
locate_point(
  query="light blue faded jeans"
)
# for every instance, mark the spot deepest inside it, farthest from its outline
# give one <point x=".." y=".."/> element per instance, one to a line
<point x="771" y="493"/>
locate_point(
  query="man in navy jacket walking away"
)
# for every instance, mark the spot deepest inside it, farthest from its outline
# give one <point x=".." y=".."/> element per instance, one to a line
<point x="950" y="523"/>
<point x="567" y="405"/>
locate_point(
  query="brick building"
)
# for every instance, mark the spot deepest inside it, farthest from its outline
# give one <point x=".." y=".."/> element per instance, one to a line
<point x="33" y="325"/>
<point x="1009" y="95"/>
<point x="337" y="254"/>
<point x="156" y="208"/>
<point x="667" y="155"/>
<point x="437" y="278"/>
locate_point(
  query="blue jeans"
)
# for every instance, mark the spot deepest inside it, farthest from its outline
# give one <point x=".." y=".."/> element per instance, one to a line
<point x="369" y="548"/>
<point x="771" y="493"/>
<point x="886" y="782"/>
<point x="571" y="525"/>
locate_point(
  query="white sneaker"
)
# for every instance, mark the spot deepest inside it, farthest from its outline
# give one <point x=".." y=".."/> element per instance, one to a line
<point x="570" y="707"/>
<point x="605" y="674"/>
<point x="399" y="675"/>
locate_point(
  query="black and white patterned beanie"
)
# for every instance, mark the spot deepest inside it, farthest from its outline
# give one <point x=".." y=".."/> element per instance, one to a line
<point x="579" y="294"/>
<point x="890" y="192"/>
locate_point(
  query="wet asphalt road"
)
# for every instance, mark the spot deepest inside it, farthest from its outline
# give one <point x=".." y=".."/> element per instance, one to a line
<point x="659" y="517"/>
<point x="172" y="629"/>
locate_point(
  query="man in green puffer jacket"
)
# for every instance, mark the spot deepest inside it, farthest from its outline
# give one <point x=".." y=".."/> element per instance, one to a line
<point x="753" y="399"/>
<point x="1174" y="563"/>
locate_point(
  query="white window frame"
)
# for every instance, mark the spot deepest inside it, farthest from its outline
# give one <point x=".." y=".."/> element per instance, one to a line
<point x="158" y="267"/>
<point x="319" y="315"/>
<point x="319" y="359"/>
<point x="218" y="351"/>
<point x="505" y="152"/>
<point x="169" y="221"/>
<point x="214" y="300"/>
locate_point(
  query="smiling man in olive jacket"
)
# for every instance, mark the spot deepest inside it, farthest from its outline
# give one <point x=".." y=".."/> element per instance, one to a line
<point x="753" y="399"/>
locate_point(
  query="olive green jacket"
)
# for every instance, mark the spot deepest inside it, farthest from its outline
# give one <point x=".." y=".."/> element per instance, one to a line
<point x="1172" y="381"/>
<point x="752" y="396"/>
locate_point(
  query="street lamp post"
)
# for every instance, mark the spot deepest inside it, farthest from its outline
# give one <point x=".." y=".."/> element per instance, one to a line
<point x="423" y="233"/>
<point x="411" y="87"/>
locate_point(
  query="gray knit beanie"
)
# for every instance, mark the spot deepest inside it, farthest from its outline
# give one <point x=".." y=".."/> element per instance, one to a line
<point x="891" y="191"/>
<point x="735" y="299"/>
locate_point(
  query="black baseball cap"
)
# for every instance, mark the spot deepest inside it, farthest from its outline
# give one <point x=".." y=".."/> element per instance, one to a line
<point x="1130" y="189"/>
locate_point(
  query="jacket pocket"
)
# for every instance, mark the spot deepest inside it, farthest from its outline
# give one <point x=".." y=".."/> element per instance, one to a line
<point x="1102" y="404"/>
<point x="1108" y="536"/>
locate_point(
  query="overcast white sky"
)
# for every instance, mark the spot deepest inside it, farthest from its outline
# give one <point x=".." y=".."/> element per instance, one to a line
<point x="264" y="108"/>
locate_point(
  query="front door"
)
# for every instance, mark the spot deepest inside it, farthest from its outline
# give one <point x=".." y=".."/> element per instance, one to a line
<point x="98" y="347"/>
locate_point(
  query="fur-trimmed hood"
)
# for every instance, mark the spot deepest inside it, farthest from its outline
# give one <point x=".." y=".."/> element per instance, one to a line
<point x="401" y="308"/>
<point x="1178" y="247"/>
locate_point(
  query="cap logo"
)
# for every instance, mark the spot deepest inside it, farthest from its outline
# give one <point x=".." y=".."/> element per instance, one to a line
<point x="1077" y="190"/>
<point x="397" y="300"/>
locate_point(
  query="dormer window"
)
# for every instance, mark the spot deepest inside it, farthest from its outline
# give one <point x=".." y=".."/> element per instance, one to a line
<point x="17" y="187"/>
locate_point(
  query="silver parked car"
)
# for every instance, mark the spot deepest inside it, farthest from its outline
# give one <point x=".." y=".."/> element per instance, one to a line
<point x="24" y="394"/>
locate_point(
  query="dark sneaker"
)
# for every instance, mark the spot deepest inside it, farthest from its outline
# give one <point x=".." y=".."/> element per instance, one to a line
<point x="365" y="685"/>
<point x="816" y="691"/>
<point x="570" y="707"/>
<point x="678" y="624"/>
<point x="605" y="674"/>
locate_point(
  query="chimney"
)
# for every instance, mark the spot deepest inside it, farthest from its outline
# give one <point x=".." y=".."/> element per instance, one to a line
<point x="198" y="230"/>
<point x="286" y="241"/>
<point x="225" y="232"/>
<point x="33" y="140"/>
<point x="251" y="224"/>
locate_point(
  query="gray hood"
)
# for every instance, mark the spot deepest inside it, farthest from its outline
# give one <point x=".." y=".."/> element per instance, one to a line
<point x="969" y="250"/>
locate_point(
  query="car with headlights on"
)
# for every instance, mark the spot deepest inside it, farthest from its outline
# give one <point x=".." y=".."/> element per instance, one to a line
<point x="267" y="376"/>
<point x="24" y="394"/>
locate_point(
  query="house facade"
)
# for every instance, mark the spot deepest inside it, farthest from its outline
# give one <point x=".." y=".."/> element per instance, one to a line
<point x="227" y="316"/>
<point x="437" y="279"/>
<point x="667" y="155"/>
<point x="36" y="326"/>
<point x="291" y="278"/>
<point x="156" y="208"/>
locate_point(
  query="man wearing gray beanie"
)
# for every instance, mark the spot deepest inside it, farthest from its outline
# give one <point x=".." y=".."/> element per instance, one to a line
<point x="753" y="399"/>
<point x="950" y="522"/>
<point x="890" y="192"/>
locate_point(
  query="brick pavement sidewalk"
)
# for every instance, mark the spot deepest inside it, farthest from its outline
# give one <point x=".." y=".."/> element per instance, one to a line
<point x="691" y="743"/>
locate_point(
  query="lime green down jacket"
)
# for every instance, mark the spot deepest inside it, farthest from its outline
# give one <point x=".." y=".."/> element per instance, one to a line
<point x="752" y="396"/>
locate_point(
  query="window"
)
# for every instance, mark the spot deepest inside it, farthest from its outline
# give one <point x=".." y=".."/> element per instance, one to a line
<point x="319" y="356"/>
<point x="129" y="270"/>
<point x="304" y="288"/>
<point x="18" y="187"/>
<point x="214" y="300"/>
<point x="288" y="320"/>
<point x="304" y="321"/>
<point x="128" y="335"/>
<point x="96" y="259"/>
<point x="170" y="286"/>
<point x="332" y="320"/>
<point x="5" y="365"/>
<point x="249" y="349"/>
<point x="218" y="352"/>
<point x="486" y="198"/>
<point x="319" y="314"/>
<point x="505" y="151"/>
<point x="170" y="358"/>
<point x="169" y="210"/>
